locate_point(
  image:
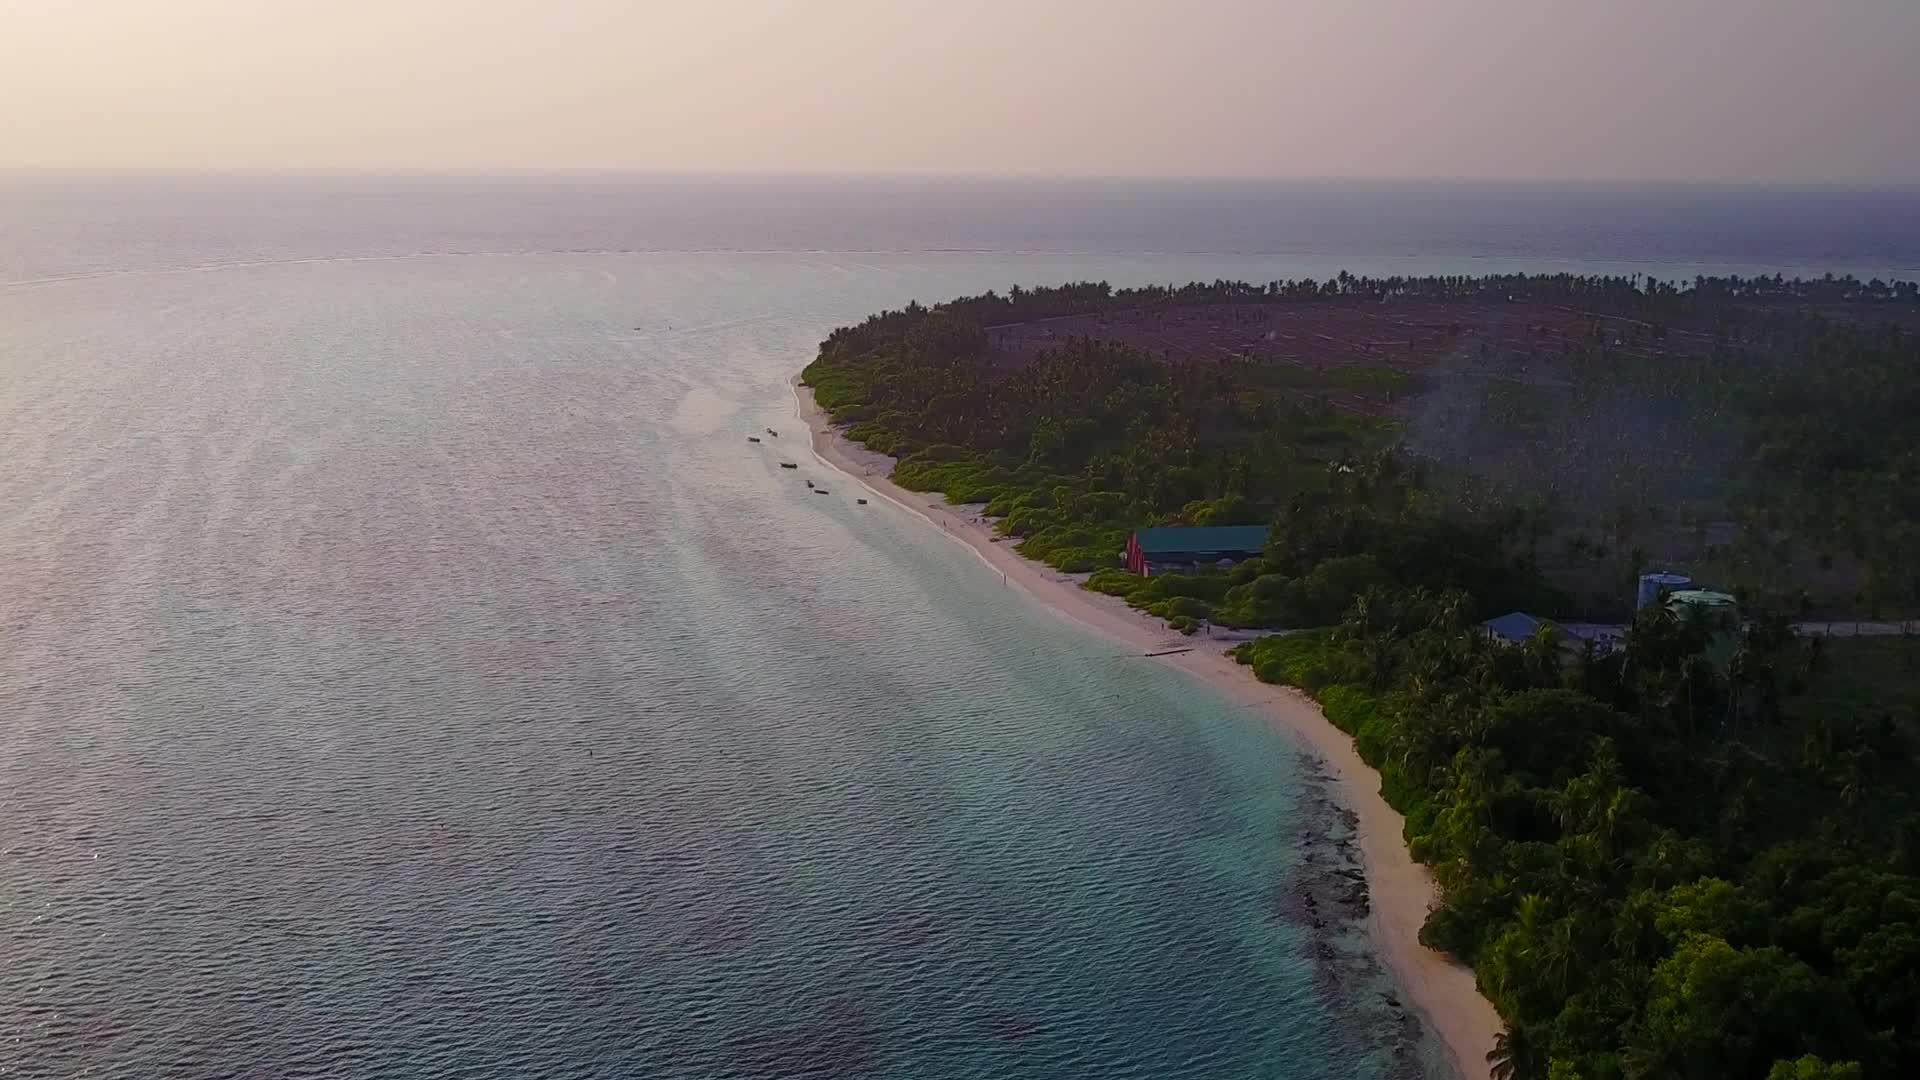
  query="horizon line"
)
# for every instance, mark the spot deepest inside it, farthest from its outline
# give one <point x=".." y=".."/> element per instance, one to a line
<point x="611" y="173"/>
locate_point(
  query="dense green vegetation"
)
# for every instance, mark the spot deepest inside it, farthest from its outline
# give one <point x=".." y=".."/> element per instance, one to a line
<point x="1091" y="440"/>
<point x="1655" y="869"/>
<point x="1835" y="451"/>
<point x="1794" y="434"/>
<point x="1656" y="865"/>
<point x="1799" y="426"/>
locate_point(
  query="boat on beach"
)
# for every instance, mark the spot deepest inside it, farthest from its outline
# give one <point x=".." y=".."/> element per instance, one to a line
<point x="862" y="502"/>
<point x="820" y="491"/>
<point x="788" y="465"/>
<point x="753" y="438"/>
<point x="773" y="433"/>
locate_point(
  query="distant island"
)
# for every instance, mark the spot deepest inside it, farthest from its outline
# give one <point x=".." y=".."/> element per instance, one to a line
<point x="1688" y="847"/>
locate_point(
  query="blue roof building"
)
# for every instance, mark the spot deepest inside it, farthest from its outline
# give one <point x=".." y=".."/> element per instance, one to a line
<point x="1514" y="627"/>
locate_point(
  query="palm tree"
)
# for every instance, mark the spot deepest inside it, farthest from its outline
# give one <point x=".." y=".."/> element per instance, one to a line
<point x="1541" y="653"/>
<point x="1618" y="818"/>
<point x="1514" y="1056"/>
<point x="1559" y="954"/>
<point x="1633" y="937"/>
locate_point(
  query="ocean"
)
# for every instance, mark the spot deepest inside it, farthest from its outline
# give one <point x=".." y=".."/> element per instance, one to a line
<point x="409" y="670"/>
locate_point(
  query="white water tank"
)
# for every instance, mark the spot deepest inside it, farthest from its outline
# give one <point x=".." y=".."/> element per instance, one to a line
<point x="1654" y="584"/>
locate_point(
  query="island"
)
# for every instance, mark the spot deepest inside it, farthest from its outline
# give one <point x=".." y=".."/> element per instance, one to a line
<point x="1590" y="591"/>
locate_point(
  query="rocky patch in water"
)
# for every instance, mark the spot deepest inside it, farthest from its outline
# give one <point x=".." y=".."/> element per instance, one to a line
<point x="1326" y="895"/>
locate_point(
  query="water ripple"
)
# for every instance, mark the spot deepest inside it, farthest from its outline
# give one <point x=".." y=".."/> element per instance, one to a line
<point x="388" y="696"/>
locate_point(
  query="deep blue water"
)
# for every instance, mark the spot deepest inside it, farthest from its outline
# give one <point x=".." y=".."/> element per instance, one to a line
<point x="408" y="670"/>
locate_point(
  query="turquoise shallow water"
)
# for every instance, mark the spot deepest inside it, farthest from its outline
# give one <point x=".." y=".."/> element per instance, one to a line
<point x="407" y="668"/>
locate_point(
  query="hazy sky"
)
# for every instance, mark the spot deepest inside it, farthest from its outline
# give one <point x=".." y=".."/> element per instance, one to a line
<point x="1790" y="90"/>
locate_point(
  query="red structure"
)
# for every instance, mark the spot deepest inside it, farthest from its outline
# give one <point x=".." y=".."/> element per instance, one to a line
<point x="1136" y="559"/>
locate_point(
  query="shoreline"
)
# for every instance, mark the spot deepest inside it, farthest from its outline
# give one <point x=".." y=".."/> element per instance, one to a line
<point x="1441" y="992"/>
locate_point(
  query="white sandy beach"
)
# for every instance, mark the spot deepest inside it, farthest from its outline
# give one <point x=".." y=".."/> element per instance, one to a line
<point x="1402" y="892"/>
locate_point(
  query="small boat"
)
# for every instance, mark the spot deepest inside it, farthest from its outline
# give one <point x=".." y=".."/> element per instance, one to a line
<point x="788" y="465"/>
<point x="820" y="491"/>
<point x="862" y="502"/>
<point x="753" y="438"/>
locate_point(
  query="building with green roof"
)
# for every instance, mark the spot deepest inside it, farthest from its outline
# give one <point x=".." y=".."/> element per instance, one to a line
<point x="1182" y="546"/>
<point x="1718" y="613"/>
